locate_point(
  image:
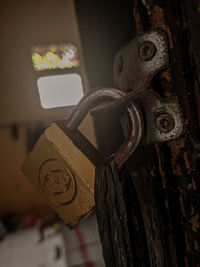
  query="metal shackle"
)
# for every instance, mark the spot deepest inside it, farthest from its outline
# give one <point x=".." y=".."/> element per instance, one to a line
<point x="135" y="121"/>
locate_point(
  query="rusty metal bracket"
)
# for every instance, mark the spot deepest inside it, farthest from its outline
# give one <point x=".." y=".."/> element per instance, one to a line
<point x="137" y="63"/>
<point x="162" y="117"/>
<point x="134" y="67"/>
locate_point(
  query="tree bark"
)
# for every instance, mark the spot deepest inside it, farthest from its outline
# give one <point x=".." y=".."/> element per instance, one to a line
<point x="166" y="176"/>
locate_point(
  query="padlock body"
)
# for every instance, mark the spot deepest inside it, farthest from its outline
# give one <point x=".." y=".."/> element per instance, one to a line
<point x="63" y="174"/>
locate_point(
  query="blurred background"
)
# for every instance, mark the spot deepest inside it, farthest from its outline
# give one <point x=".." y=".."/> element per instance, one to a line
<point x="52" y="53"/>
<point x="26" y="111"/>
<point x="40" y="49"/>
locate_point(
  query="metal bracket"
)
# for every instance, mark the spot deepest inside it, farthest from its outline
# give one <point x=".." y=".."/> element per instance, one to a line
<point x="162" y="117"/>
<point x="137" y="63"/>
<point x="134" y="67"/>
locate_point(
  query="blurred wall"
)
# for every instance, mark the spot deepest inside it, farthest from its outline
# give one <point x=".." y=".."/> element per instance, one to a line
<point x="24" y="24"/>
<point x="16" y="193"/>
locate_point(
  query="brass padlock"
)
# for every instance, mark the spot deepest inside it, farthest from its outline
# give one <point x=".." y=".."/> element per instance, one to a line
<point x="62" y="163"/>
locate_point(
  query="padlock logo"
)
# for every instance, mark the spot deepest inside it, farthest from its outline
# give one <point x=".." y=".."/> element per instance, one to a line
<point x="57" y="182"/>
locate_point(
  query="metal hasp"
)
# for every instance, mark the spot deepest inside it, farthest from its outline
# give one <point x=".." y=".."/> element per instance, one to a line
<point x="163" y="118"/>
<point x="137" y="63"/>
<point x="134" y="67"/>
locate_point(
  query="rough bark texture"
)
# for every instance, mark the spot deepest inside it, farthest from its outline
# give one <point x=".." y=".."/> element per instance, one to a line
<point x="166" y="176"/>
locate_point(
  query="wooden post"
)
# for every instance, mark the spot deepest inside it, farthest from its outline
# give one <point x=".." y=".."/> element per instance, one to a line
<point x="166" y="176"/>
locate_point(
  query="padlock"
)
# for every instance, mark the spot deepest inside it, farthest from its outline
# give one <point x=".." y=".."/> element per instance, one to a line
<point x="62" y="163"/>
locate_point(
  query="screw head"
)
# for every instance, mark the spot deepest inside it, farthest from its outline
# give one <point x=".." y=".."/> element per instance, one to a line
<point x="164" y="122"/>
<point x="147" y="51"/>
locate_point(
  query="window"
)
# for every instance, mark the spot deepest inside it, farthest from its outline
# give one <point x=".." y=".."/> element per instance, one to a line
<point x="60" y="90"/>
<point x="54" y="56"/>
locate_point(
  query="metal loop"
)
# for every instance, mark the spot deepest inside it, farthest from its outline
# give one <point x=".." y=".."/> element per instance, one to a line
<point x="90" y="101"/>
<point x="134" y="135"/>
<point x="135" y="121"/>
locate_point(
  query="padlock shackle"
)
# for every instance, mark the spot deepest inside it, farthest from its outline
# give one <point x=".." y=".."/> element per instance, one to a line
<point x="134" y="135"/>
<point x="90" y="100"/>
<point x="135" y="120"/>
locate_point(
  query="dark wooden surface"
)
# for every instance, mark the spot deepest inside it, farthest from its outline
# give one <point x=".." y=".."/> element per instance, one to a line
<point x="166" y="176"/>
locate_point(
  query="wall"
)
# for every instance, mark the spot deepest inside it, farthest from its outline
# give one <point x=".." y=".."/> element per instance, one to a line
<point x="24" y="24"/>
<point x="17" y="194"/>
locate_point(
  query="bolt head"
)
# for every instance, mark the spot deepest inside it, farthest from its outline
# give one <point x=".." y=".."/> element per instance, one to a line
<point x="147" y="51"/>
<point x="164" y="122"/>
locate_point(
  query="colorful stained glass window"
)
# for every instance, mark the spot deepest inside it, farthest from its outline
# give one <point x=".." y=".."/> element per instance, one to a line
<point x="55" y="56"/>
